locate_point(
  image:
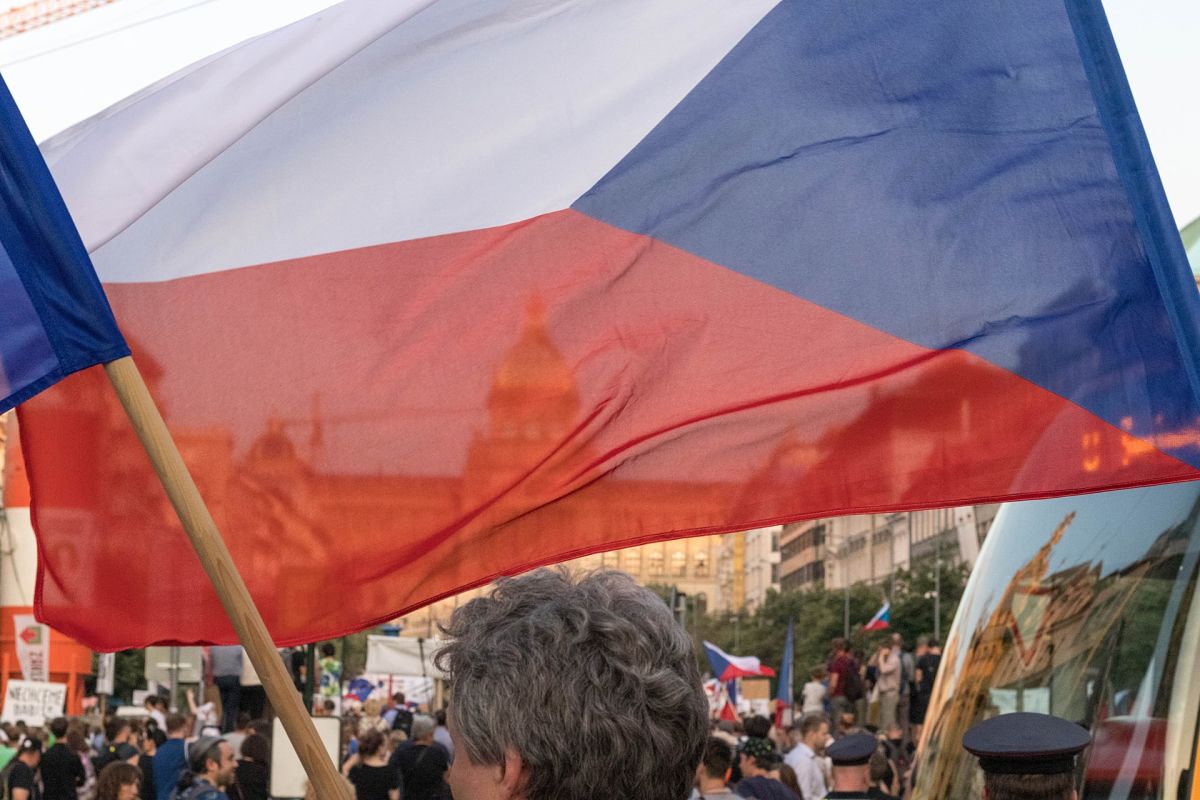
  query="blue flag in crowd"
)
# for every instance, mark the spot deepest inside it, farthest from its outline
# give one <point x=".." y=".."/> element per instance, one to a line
<point x="785" y="671"/>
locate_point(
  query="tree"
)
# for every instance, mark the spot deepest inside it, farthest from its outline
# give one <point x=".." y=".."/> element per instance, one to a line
<point x="129" y="673"/>
<point x="819" y="618"/>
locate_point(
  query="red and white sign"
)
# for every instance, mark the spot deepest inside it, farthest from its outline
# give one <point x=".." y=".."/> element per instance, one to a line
<point x="33" y="647"/>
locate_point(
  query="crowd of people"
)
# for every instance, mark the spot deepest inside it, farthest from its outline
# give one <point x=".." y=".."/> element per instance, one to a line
<point x="188" y="758"/>
<point x="754" y="759"/>
<point x="391" y="750"/>
<point x="119" y="758"/>
<point x="888" y="690"/>
<point x="560" y="687"/>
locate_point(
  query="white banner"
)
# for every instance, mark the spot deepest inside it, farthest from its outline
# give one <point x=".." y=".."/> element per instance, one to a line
<point x="35" y="703"/>
<point x="403" y="655"/>
<point x="106" y="666"/>
<point x="33" y="647"/>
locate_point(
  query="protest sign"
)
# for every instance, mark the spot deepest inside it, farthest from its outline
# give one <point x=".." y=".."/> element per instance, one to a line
<point x="34" y="702"/>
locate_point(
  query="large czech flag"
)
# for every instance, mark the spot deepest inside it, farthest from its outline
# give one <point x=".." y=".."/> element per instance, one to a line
<point x="726" y="668"/>
<point x="433" y="292"/>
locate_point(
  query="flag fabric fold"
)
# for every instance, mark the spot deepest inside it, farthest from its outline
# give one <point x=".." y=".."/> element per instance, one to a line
<point x="54" y="318"/>
<point x="483" y="286"/>
<point x="726" y="668"/>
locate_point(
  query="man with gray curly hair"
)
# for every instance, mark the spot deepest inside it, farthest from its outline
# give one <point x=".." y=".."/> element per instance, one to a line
<point x="572" y="689"/>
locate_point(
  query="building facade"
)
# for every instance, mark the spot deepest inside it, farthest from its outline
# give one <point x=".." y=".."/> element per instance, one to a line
<point x="868" y="548"/>
<point x="762" y="565"/>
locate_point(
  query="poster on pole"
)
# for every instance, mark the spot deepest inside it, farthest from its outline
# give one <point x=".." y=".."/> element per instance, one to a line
<point x="33" y="647"/>
<point x="288" y="779"/>
<point x="106" y="667"/>
<point x="34" y="702"/>
<point x="757" y="692"/>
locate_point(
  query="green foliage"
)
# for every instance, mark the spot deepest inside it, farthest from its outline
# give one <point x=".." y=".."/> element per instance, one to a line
<point x="819" y="618"/>
<point x="662" y="590"/>
<point x="353" y="653"/>
<point x="129" y="674"/>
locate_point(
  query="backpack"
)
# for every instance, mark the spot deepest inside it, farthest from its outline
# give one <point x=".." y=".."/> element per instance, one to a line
<point x="403" y="721"/>
<point x="854" y="683"/>
<point x="199" y="790"/>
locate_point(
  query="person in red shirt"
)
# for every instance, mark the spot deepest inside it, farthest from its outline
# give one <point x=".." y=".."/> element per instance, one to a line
<point x="845" y="685"/>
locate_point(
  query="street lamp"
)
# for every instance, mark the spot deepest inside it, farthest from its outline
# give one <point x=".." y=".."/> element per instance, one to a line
<point x="937" y="588"/>
<point x="837" y="554"/>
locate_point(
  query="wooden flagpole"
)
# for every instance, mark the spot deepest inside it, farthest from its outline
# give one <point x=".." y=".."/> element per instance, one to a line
<point x="218" y="564"/>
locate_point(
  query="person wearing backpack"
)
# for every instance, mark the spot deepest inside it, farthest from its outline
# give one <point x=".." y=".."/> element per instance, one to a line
<point x="20" y="776"/>
<point x="211" y="766"/>
<point x="402" y="718"/>
<point x="845" y="682"/>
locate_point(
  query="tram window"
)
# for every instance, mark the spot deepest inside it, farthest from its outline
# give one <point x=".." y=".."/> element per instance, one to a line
<point x="1085" y="608"/>
<point x="1007" y="701"/>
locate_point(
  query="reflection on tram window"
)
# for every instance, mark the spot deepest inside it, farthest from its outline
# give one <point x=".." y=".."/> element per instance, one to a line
<point x="1084" y="608"/>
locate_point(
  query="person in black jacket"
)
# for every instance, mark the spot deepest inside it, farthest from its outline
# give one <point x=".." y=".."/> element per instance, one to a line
<point x="22" y="781"/>
<point x="62" y="771"/>
<point x="252" y="776"/>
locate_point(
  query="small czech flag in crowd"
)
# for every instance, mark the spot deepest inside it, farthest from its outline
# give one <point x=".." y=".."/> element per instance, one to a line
<point x="881" y="619"/>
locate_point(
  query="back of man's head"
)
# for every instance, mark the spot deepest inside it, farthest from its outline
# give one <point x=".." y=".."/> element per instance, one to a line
<point x="30" y="750"/>
<point x="115" y="728"/>
<point x="1002" y="786"/>
<point x="547" y="662"/>
<point x="177" y="725"/>
<point x="758" y="726"/>
<point x="811" y="723"/>
<point x="717" y="758"/>
<point x="204" y="755"/>
<point x="58" y="726"/>
<point x="422" y="727"/>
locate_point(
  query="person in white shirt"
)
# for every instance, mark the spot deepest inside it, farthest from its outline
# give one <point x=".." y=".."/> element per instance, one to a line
<point x="151" y="704"/>
<point x="810" y="735"/>
<point x="813" y="693"/>
<point x="888" y="684"/>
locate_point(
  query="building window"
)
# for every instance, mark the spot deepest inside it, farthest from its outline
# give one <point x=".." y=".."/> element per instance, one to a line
<point x="633" y="561"/>
<point x="700" y="569"/>
<point x="611" y="560"/>
<point x="657" y="563"/>
<point x="790" y="549"/>
<point x="818" y="535"/>
<point x="679" y="564"/>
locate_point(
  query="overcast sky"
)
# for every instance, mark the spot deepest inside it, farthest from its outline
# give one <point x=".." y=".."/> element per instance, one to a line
<point x="68" y="71"/>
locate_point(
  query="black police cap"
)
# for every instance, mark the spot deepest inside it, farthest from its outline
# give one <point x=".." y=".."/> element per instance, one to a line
<point x="852" y="749"/>
<point x="1024" y="743"/>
